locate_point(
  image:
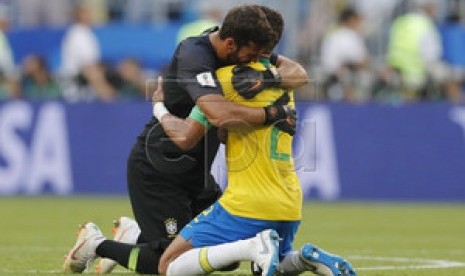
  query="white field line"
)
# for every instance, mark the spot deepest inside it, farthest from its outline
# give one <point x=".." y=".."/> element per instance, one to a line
<point x="407" y="263"/>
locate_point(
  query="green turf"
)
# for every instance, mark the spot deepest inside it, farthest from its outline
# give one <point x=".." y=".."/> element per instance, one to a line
<point x="380" y="239"/>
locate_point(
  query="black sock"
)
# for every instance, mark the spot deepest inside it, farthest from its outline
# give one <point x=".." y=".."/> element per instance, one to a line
<point x="140" y="258"/>
<point x="116" y="251"/>
<point x="148" y="260"/>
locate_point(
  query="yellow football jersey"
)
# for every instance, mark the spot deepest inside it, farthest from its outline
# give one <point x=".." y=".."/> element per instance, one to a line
<point x="262" y="182"/>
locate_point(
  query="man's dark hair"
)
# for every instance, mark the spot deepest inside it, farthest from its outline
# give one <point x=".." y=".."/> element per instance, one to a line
<point x="348" y="14"/>
<point x="276" y="22"/>
<point x="247" y="24"/>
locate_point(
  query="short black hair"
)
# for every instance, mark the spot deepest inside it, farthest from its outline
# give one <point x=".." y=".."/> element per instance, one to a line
<point x="276" y="21"/>
<point x="247" y="24"/>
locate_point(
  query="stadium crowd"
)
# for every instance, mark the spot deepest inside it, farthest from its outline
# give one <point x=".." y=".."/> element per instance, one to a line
<point x="390" y="51"/>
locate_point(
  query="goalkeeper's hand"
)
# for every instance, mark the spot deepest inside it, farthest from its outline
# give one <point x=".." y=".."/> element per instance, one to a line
<point x="282" y="115"/>
<point x="249" y="82"/>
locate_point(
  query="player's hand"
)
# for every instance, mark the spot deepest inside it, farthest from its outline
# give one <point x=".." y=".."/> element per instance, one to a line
<point x="289" y="124"/>
<point x="281" y="115"/>
<point x="158" y="94"/>
<point x="284" y="117"/>
<point x="249" y="82"/>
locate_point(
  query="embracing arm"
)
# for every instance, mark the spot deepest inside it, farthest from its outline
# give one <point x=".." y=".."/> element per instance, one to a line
<point x="185" y="133"/>
<point x="286" y="74"/>
<point x="214" y="109"/>
<point x="223" y="113"/>
<point x="293" y="75"/>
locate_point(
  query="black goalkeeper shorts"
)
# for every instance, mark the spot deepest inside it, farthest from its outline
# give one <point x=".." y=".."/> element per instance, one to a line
<point x="164" y="203"/>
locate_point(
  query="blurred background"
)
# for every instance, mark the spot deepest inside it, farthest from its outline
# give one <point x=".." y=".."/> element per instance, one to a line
<point x="383" y="117"/>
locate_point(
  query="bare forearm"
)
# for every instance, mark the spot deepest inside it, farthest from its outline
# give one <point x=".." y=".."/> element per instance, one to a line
<point x="293" y="75"/>
<point x="222" y="113"/>
<point x="238" y="116"/>
<point x="182" y="132"/>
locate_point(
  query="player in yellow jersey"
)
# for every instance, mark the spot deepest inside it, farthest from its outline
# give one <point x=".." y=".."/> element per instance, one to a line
<point x="259" y="162"/>
<point x="263" y="196"/>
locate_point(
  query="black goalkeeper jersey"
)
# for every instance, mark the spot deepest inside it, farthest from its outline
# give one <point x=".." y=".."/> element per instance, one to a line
<point x="190" y="75"/>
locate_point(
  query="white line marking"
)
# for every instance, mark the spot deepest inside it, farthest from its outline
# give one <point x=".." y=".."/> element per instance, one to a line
<point x="412" y="263"/>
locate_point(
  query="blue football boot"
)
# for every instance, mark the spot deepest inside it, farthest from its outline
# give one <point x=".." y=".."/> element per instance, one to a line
<point x="323" y="263"/>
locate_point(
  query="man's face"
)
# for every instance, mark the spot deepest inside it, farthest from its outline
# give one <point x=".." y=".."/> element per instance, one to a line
<point x="244" y="54"/>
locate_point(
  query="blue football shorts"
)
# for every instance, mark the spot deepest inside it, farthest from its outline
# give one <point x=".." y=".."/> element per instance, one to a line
<point x="216" y="226"/>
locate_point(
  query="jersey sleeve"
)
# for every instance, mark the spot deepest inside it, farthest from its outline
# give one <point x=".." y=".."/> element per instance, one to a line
<point x="198" y="116"/>
<point x="196" y="71"/>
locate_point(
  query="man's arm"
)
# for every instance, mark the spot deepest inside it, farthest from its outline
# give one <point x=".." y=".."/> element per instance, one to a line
<point x="196" y="74"/>
<point x="185" y="133"/>
<point x="287" y="74"/>
<point x="223" y="113"/>
<point x="293" y="75"/>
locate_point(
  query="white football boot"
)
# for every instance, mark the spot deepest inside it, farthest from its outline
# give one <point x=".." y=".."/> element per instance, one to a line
<point x="81" y="256"/>
<point x="267" y="255"/>
<point x="125" y="230"/>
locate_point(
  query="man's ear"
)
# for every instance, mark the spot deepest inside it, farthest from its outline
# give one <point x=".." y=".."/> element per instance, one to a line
<point x="230" y="44"/>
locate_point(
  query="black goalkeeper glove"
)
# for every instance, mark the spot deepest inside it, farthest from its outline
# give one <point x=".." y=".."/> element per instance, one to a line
<point x="281" y="115"/>
<point x="248" y="82"/>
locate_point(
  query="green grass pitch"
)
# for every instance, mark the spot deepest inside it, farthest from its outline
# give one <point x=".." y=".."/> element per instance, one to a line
<point x="378" y="238"/>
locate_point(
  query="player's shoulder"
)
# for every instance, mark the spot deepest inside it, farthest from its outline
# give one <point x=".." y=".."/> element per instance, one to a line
<point x="196" y="54"/>
<point x="196" y="48"/>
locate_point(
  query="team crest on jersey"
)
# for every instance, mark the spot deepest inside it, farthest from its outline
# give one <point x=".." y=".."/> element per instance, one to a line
<point x="206" y="79"/>
<point x="171" y="227"/>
